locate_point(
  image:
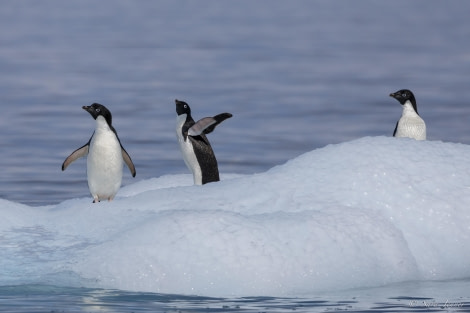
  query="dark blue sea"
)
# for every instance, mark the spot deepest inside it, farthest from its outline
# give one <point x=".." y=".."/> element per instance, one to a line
<point x="394" y="298"/>
<point x="296" y="75"/>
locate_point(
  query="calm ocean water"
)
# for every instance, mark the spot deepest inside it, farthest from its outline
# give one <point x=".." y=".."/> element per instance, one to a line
<point x="38" y="298"/>
<point x="296" y="75"/>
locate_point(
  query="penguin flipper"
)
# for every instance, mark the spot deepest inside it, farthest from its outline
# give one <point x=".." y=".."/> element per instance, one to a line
<point x="395" y="131"/>
<point x="207" y="125"/>
<point x="200" y="126"/>
<point x="79" y="153"/>
<point x="219" y="119"/>
<point x="128" y="161"/>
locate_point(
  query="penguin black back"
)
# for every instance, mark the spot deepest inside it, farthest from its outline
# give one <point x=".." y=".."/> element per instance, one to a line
<point x="206" y="159"/>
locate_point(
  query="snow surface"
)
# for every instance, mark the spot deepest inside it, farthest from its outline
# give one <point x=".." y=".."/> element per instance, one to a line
<point x="369" y="212"/>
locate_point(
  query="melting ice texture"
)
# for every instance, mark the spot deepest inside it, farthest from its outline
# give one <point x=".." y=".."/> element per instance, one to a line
<point x="369" y="212"/>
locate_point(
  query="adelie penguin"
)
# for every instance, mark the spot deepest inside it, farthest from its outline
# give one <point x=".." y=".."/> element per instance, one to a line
<point x="197" y="151"/>
<point x="105" y="156"/>
<point x="410" y="124"/>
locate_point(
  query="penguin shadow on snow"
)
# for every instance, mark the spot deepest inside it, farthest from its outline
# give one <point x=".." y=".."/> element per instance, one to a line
<point x="195" y="147"/>
<point x="410" y="124"/>
<point x="105" y="156"/>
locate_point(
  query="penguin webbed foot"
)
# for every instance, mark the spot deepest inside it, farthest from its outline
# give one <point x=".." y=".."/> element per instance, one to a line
<point x="98" y="200"/>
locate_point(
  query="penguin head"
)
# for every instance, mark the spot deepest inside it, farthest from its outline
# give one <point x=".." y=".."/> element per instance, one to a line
<point x="97" y="109"/>
<point x="403" y="96"/>
<point x="182" y="108"/>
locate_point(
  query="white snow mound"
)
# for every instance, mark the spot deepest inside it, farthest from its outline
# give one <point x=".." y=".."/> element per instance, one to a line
<point x="369" y="212"/>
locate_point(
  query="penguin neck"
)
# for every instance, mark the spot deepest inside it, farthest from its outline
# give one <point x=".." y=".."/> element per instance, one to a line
<point x="180" y="120"/>
<point x="101" y="124"/>
<point x="408" y="109"/>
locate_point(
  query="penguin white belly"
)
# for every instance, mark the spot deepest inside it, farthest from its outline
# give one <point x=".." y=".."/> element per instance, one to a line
<point x="188" y="151"/>
<point x="411" y="127"/>
<point x="191" y="160"/>
<point x="104" y="165"/>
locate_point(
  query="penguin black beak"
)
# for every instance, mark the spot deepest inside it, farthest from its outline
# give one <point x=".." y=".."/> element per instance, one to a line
<point x="90" y="110"/>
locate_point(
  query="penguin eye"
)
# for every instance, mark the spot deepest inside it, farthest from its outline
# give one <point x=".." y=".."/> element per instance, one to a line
<point x="97" y="110"/>
<point x="185" y="106"/>
<point x="404" y="95"/>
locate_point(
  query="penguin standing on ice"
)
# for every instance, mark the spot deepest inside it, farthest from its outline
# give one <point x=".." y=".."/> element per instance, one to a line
<point x="410" y="124"/>
<point x="196" y="149"/>
<point x="105" y="156"/>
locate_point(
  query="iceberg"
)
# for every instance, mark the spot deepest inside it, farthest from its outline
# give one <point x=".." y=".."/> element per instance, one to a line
<point x="364" y="213"/>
